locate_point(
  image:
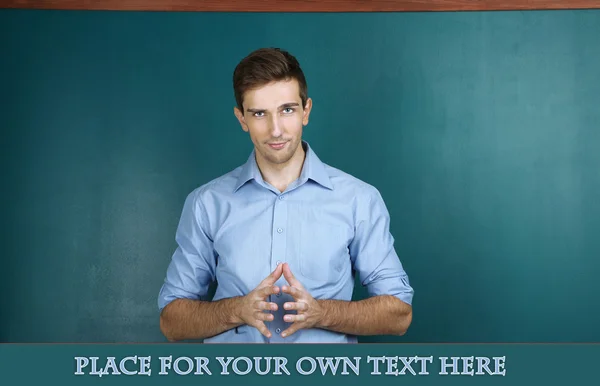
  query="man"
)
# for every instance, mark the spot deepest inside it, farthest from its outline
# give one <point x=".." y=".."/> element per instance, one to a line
<point x="283" y="235"/>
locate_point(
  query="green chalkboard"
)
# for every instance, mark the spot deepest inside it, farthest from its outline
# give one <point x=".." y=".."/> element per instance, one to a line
<point x="480" y="129"/>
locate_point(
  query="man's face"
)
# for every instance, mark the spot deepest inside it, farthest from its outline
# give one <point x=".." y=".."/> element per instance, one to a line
<point x="274" y="117"/>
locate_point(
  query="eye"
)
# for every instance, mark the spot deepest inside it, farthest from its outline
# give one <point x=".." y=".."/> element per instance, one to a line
<point x="259" y="114"/>
<point x="288" y="110"/>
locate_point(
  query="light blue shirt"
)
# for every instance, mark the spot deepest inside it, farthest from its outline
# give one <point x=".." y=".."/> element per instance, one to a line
<point x="327" y="225"/>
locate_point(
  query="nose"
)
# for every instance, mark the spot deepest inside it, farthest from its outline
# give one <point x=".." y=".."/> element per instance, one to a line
<point x="276" y="128"/>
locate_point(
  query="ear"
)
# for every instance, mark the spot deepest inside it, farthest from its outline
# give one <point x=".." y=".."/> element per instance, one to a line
<point x="240" y="117"/>
<point x="306" y="113"/>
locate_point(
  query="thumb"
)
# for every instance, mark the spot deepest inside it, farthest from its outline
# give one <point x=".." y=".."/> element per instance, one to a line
<point x="274" y="276"/>
<point x="289" y="276"/>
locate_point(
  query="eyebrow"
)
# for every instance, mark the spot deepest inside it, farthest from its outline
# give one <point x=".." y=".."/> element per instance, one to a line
<point x="283" y="106"/>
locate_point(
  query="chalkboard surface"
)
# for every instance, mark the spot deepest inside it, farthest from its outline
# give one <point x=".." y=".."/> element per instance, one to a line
<point x="480" y="129"/>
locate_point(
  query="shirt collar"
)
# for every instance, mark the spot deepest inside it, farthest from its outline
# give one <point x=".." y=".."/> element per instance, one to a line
<point x="312" y="169"/>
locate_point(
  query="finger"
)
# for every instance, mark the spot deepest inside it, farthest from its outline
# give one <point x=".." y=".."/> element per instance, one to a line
<point x="295" y="318"/>
<point x="292" y="329"/>
<point x="273" y="277"/>
<point x="266" y="291"/>
<point x="263" y="316"/>
<point x="260" y="326"/>
<point x="295" y="292"/>
<point x="289" y="276"/>
<point x="298" y="306"/>
<point x="262" y="305"/>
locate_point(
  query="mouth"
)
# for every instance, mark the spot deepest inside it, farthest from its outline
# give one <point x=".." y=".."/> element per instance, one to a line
<point x="277" y="145"/>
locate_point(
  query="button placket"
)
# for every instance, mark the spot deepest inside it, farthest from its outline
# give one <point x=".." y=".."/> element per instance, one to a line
<point x="279" y="244"/>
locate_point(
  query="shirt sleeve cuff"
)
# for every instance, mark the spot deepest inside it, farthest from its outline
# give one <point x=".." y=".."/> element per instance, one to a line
<point x="168" y="293"/>
<point x="398" y="287"/>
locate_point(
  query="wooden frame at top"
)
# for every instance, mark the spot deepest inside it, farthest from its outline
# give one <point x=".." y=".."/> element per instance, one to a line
<point x="301" y="5"/>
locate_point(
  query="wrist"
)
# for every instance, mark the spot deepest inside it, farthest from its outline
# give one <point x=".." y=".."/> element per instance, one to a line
<point x="324" y="318"/>
<point x="234" y="314"/>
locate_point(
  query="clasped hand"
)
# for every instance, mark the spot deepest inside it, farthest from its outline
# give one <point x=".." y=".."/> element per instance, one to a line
<point x="308" y="311"/>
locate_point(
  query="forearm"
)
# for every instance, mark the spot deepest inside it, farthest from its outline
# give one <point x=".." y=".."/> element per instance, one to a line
<point x="193" y="319"/>
<point x="378" y="315"/>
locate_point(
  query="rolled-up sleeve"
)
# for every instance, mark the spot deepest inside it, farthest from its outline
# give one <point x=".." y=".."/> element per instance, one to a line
<point x="192" y="267"/>
<point x="372" y="251"/>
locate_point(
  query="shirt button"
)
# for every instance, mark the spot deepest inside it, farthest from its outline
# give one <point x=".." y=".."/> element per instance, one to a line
<point x="279" y="230"/>
<point x="278" y="294"/>
<point x="278" y="262"/>
<point x="278" y="330"/>
<point x="281" y="197"/>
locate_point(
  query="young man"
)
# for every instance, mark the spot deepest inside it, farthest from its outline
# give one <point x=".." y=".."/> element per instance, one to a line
<point x="283" y="235"/>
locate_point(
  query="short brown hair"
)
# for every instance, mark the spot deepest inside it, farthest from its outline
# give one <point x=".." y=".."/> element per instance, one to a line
<point x="264" y="66"/>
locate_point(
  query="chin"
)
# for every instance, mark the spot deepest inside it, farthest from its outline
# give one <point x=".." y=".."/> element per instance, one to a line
<point x="278" y="157"/>
<point x="279" y="160"/>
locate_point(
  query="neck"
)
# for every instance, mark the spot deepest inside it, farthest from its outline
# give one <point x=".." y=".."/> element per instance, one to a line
<point x="281" y="175"/>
